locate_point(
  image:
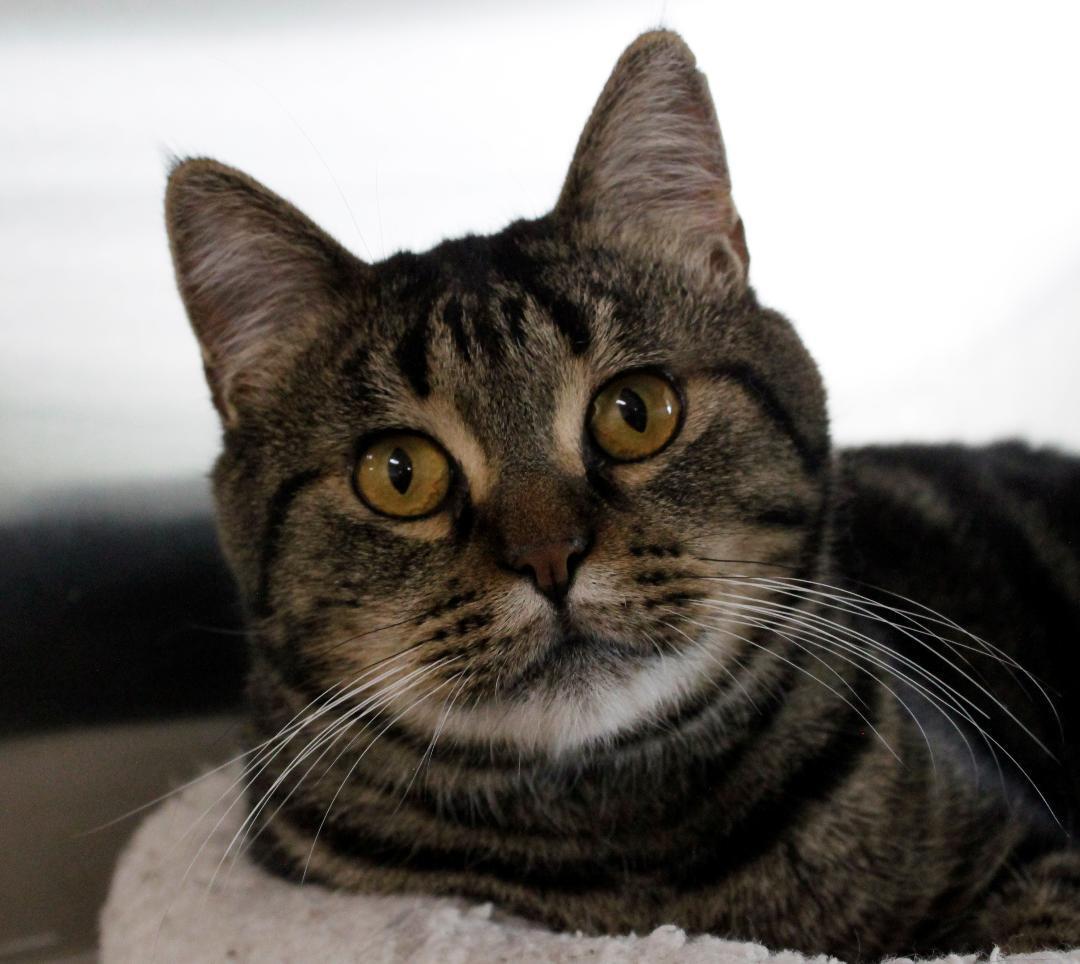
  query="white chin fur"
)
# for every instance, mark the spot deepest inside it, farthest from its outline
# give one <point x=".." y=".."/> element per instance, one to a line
<point x="562" y="723"/>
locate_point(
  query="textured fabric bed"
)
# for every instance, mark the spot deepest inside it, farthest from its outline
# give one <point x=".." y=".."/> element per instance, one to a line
<point x="163" y="907"/>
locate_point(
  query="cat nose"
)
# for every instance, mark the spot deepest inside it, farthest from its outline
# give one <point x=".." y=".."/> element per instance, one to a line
<point x="550" y="564"/>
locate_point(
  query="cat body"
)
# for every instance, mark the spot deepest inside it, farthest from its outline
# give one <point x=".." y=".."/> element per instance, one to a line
<point x="559" y="595"/>
<point x="788" y="819"/>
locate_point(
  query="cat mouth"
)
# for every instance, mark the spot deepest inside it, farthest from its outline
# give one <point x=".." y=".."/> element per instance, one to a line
<point x="573" y="662"/>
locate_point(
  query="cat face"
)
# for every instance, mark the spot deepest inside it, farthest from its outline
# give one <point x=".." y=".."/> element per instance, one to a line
<point x="488" y="488"/>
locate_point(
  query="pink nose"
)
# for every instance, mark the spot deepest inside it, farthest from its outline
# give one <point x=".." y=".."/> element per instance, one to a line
<point x="551" y="564"/>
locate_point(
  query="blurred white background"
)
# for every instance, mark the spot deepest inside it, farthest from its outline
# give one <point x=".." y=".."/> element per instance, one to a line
<point x="907" y="174"/>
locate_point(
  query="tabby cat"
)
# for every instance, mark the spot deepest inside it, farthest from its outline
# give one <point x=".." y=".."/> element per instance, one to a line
<point x="560" y="598"/>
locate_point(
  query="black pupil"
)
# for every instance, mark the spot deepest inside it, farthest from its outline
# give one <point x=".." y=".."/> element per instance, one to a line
<point x="632" y="409"/>
<point x="399" y="468"/>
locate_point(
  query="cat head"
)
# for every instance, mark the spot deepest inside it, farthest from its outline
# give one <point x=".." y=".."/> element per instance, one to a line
<point x="488" y="488"/>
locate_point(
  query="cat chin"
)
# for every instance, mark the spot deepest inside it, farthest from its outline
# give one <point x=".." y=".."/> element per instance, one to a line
<point x="562" y="719"/>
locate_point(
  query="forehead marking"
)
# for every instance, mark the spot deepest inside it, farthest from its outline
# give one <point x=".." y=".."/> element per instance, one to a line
<point x="454" y="319"/>
<point x="516" y="266"/>
<point x="411" y="356"/>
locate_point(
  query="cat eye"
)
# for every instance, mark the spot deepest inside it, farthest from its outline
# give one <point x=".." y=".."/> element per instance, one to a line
<point x="635" y="415"/>
<point x="403" y="475"/>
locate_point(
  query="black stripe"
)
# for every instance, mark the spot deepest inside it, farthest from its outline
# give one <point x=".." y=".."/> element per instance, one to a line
<point x="514" y="265"/>
<point x="412" y="282"/>
<point x="599" y="479"/>
<point x="454" y="319"/>
<point x="464" y="522"/>
<point x="411" y="356"/>
<point x="280" y="503"/>
<point x="488" y="334"/>
<point x="770" y="820"/>
<point x="788" y="516"/>
<point x="514" y="311"/>
<point x="812" y="456"/>
<point x="571" y="322"/>
<point x="945" y="914"/>
<point x="354" y="370"/>
<point x="265" y="849"/>
<point x="362" y="842"/>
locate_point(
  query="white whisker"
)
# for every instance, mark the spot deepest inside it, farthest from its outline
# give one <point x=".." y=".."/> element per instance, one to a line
<point x="357" y="762"/>
<point x="781" y="588"/>
<point x="795" y="666"/>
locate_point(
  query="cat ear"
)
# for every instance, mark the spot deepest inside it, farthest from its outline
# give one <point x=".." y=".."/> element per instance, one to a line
<point x="257" y="277"/>
<point x="650" y="170"/>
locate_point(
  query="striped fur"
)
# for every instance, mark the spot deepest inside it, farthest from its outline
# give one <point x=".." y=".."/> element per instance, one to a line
<point x="721" y="726"/>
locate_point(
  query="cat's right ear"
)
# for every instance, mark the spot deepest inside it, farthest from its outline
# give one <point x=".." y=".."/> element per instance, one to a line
<point x="258" y="279"/>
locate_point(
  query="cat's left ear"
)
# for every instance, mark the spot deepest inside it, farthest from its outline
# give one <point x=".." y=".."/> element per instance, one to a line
<point x="650" y="169"/>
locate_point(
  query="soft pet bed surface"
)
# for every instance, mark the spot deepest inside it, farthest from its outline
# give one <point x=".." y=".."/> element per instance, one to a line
<point x="162" y="907"/>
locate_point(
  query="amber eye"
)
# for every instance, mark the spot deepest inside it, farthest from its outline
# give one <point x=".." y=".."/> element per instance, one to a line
<point x="635" y="415"/>
<point x="403" y="475"/>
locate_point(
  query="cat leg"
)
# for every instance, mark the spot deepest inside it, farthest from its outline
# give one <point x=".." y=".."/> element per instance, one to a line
<point x="1039" y="908"/>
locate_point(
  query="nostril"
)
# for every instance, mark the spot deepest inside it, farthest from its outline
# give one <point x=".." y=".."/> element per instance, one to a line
<point x="579" y="548"/>
<point x="550" y="564"/>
